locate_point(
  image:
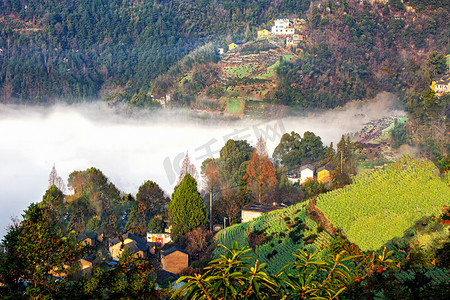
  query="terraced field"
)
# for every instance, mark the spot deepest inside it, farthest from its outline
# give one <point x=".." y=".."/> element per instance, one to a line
<point x="235" y="106"/>
<point x="285" y="230"/>
<point x="383" y="204"/>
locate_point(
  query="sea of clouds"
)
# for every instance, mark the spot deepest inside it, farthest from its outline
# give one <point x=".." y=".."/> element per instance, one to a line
<point x="130" y="147"/>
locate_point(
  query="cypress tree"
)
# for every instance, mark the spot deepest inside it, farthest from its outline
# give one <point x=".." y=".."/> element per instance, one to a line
<point x="187" y="210"/>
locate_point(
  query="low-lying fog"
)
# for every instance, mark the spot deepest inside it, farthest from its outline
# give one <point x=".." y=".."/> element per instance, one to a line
<point x="131" y="148"/>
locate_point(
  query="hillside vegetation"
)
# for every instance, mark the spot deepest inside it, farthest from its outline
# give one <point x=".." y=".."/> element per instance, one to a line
<point x="79" y="49"/>
<point x="83" y="49"/>
<point x="382" y="205"/>
<point x="385" y="203"/>
<point x="274" y="236"/>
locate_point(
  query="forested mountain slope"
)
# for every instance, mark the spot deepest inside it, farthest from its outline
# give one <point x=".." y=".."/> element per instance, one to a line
<point x="82" y="48"/>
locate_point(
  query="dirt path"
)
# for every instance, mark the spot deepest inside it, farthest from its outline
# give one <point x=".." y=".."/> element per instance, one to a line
<point x="315" y="214"/>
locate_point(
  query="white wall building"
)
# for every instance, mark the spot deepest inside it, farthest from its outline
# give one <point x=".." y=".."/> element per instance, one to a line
<point x="252" y="211"/>
<point x="306" y="172"/>
<point x="161" y="238"/>
<point x="442" y="86"/>
<point x="283" y="26"/>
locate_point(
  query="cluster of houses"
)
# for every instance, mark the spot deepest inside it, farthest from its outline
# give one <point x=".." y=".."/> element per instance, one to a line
<point x="292" y="29"/>
<point x="170" y="261"/>
<point x="308" y="172"/>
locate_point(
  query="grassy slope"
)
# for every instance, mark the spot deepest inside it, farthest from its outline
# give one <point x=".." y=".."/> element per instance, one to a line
<point x="384" y="204"/>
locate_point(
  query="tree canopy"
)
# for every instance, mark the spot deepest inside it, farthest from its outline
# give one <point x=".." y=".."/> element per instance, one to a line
<point x="260" y="170"/>
<point x="150" y="201"/>
<point x="187" y="210"/>
<point x="36" y="252"/>
<point x="293" y="150"/>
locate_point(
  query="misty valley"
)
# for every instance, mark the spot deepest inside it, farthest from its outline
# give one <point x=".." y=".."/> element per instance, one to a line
<point x="133" y="148"/>
<point x="264" y="149"/>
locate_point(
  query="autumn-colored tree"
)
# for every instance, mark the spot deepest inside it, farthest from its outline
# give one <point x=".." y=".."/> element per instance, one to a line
<point x="260" y="171"/>
<point x="197" y="243"/>
<point x="35" y="253"/>
<point x="211" y="181"/>
<point x="187" y="168"/>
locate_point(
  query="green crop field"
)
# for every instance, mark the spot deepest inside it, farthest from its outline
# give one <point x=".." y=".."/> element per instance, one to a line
<point x="383" y="204"/>
<point x="235" y="106"/>
<point x="271" y="70"/>
<point x="269" y="73"/>
<point x="239" y="71"/>
<point x="285" y="231"/>
<point x="285" y="57"/>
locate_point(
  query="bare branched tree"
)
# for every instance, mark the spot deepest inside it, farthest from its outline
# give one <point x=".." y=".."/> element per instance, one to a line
<point x="187" y="168"/>
<point x="55" y="179"/>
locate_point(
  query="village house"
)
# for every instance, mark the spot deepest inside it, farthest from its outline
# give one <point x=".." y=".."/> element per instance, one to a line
<point x="263" y="33"/>
<point x="442" y="85"/>
<point x="306" y="173"/>
<point x="174" y="260"/>
<point x="163" y="100"/>
<point x="283" y="26"/>
<point x="217" y="227"/>
<point x="324" y="174"/>
<point x="90" y="239"/>
<point x="293" y="178"/>
<point x="165" y="279"/>
<point x="233" y="46"/>
<point x="294" y="40"/>
<point x="252" y="211"/>
<point x="135" y="244"/>
<point x="85" y="269"/>
<point x="159" y="238"/>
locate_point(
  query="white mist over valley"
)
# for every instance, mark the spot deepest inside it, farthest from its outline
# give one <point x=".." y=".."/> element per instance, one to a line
<point x="132" y="148"/>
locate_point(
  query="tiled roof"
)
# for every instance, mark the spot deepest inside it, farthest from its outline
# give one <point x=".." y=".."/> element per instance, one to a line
<point x="260" y="207"/>
<point x="311" y="167"/>
<point x="128" y="236"/>
<point x="443" y="82"/>
<point x="324" y="168"/>
<point x="173" y="249"/>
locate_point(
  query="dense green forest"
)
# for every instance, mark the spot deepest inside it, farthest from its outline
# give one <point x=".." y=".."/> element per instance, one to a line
<point x="79" y="49"/>
<point x="85" y="49"/>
